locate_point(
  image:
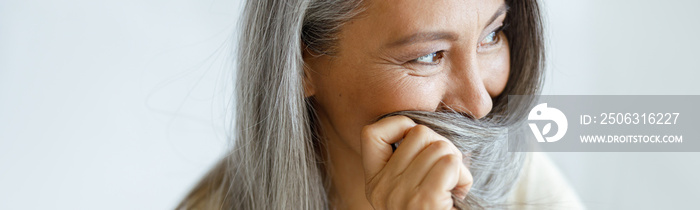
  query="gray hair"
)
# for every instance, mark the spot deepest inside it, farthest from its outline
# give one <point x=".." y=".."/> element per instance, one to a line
<point x="494" y="168"/>
<point x="276" y="161"/>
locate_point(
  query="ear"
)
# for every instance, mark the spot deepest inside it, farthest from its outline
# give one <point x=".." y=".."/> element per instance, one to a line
<point x="309" y="89"/>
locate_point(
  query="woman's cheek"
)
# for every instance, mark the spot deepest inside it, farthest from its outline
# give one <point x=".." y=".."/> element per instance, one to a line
<point x="405" y="93"/>
<point x="496" y="70"/>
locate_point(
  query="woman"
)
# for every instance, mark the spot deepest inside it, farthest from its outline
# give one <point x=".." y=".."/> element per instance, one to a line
<point x="377" y="104"/>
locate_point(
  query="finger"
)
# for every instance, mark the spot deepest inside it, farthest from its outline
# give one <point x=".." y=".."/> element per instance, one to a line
<point x="376" y="140"/>
<point x="416" y="140"/>
<point x="419" y="168"/>
<point x="443" y="176"/>
<point x="464" y="184"/>
<point x="434" y="191"/>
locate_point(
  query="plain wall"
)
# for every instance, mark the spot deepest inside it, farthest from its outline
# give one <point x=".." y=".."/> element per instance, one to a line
<point x="121" y="104"/>
<point x="626" y="48"/>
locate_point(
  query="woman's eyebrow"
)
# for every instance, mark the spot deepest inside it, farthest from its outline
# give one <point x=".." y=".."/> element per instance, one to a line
<point x="424" y="37"/>
<point x="440" y="35"/>
<point x="502" y="9"/>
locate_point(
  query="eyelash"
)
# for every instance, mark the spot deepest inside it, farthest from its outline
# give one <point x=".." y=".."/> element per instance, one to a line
<point x="494" y="36"/>
<point x="440" y="54"/>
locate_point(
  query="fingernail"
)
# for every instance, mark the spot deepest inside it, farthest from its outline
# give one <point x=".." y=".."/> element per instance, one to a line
<point x="461" y="194"/>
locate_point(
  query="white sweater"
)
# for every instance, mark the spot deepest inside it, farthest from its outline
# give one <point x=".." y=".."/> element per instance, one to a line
<point x="542" y="186"/>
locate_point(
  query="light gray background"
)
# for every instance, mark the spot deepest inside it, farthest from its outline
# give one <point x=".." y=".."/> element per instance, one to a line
<point x="120" y="104"/>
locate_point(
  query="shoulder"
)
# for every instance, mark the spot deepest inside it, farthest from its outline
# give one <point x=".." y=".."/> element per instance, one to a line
<point x="542" y="185"/>
<point x="210" y="192"/>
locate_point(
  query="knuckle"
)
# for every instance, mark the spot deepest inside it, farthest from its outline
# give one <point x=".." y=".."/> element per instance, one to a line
<point x="368" y="131"/>
<point x="395" y="198"/>
<point x="417" y="201"/>
<point x="470" y="178"/>
<point x="401" y="119"/>
<point x="451" y="159"/>
<point x="442" y="146"/>
<point x="424" y="200"/>
<point x="421" y="129"/>
<point x="448" y="145"/>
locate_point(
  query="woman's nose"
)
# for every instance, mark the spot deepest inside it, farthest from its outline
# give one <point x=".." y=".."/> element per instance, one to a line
<point x="465" y="91"/>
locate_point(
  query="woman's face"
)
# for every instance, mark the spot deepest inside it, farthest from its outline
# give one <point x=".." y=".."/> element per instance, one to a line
<point x="409" y="55"/>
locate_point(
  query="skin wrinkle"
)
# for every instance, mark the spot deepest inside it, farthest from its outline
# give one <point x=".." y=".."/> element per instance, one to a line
<point x="293" y="152"/>
<point x="373" y="81"/>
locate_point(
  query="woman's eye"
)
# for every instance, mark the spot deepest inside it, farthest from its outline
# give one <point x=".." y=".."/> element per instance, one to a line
<point x="491" y="39"/>
<point x="432" y="58"/>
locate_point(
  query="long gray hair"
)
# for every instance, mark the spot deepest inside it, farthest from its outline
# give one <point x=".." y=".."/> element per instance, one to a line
<point x="276" y="161"/>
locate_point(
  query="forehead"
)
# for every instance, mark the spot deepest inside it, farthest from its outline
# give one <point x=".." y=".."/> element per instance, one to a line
<point x="411" y="15"/>
<point x="384" y="20"/>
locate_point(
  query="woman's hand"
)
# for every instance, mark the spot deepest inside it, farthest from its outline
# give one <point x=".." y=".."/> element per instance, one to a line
<point x="422" y="173"/>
